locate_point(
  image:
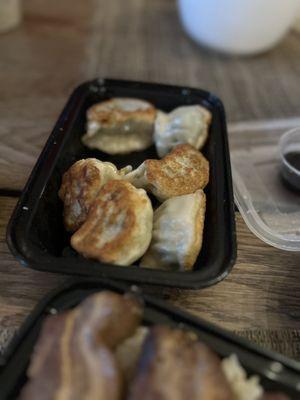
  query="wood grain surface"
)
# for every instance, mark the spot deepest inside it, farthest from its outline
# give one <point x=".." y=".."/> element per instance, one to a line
<point x="62" y="43"/>
<point x="260" y="299"/>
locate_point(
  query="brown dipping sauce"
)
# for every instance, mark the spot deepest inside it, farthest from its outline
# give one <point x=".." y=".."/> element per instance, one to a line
<point x="290" y="176"/>
<point x="293" y="158"/>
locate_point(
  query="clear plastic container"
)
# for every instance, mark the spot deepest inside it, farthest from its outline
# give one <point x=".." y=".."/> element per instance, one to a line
<point x="270" y="209"/>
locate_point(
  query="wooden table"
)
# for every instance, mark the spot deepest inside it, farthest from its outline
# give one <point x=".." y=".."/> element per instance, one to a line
<point x="62" y="43"/>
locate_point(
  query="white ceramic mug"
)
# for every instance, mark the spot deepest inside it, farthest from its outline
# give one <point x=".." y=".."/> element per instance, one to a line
<point x="238" y="26"/>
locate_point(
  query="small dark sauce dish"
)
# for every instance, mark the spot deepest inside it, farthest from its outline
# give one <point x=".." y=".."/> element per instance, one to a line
<point x="289" y="146"/>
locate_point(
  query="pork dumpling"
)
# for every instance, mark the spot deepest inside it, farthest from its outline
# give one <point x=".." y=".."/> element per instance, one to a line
<point x="81" y="184"/>
<point x="74" y="357"/>
<point x="186" y="124"/>
<point x="120" y="125"/>
<point x="182" y="171"/>
<point x="118" y="227"/>
<point x="177" y="233"/>
<point x="174" y="365"/>
<point x="128" y="352"/>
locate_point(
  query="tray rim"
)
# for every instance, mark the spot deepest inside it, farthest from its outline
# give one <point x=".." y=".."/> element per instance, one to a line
<point x="39" y="312"/>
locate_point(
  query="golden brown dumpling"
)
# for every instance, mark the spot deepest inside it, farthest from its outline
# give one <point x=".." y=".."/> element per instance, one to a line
<point x="120" y="125"/>
<point x="180" y="172"/>
<point x="118" y="227"/>
<point x="81" y="184"/>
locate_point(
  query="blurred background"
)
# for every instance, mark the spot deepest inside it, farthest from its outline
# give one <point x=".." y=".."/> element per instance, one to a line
<point x="60" y="43"/>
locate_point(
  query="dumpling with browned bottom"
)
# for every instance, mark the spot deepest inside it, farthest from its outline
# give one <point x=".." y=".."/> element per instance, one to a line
<point x="81" y="184"/>
<point x="174" y="365"/>
<point x="183" y="171"/>
<point x="120" y="125"/>
<point x="118" y="227"/>
<point x="177" y="233"/>
<point x="75" y="358"/>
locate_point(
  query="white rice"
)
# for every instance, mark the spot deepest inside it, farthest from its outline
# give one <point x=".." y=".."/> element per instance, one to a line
<point x="243" y="388"/>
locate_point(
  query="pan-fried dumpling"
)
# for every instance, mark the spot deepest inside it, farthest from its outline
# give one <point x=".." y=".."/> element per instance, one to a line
<point x="74" y="357"/>
<point x="182" y="171"/>
<point x="80" y="186"/>
<point x="177" y="233"/>
<point x="118" y="227"/>
<point x="120" y="125"/>
<point x="174" y="365"/>
<point x="128" y="352"/>
<point x="186" y="124"/>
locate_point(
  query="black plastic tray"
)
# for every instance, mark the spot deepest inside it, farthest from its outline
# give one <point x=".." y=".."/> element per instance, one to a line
<point x="36" y="235"/>
<point x="277" y="372"/>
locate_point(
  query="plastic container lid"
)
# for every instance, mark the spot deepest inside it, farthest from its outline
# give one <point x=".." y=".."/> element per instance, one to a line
<point x="270" y="209"/>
